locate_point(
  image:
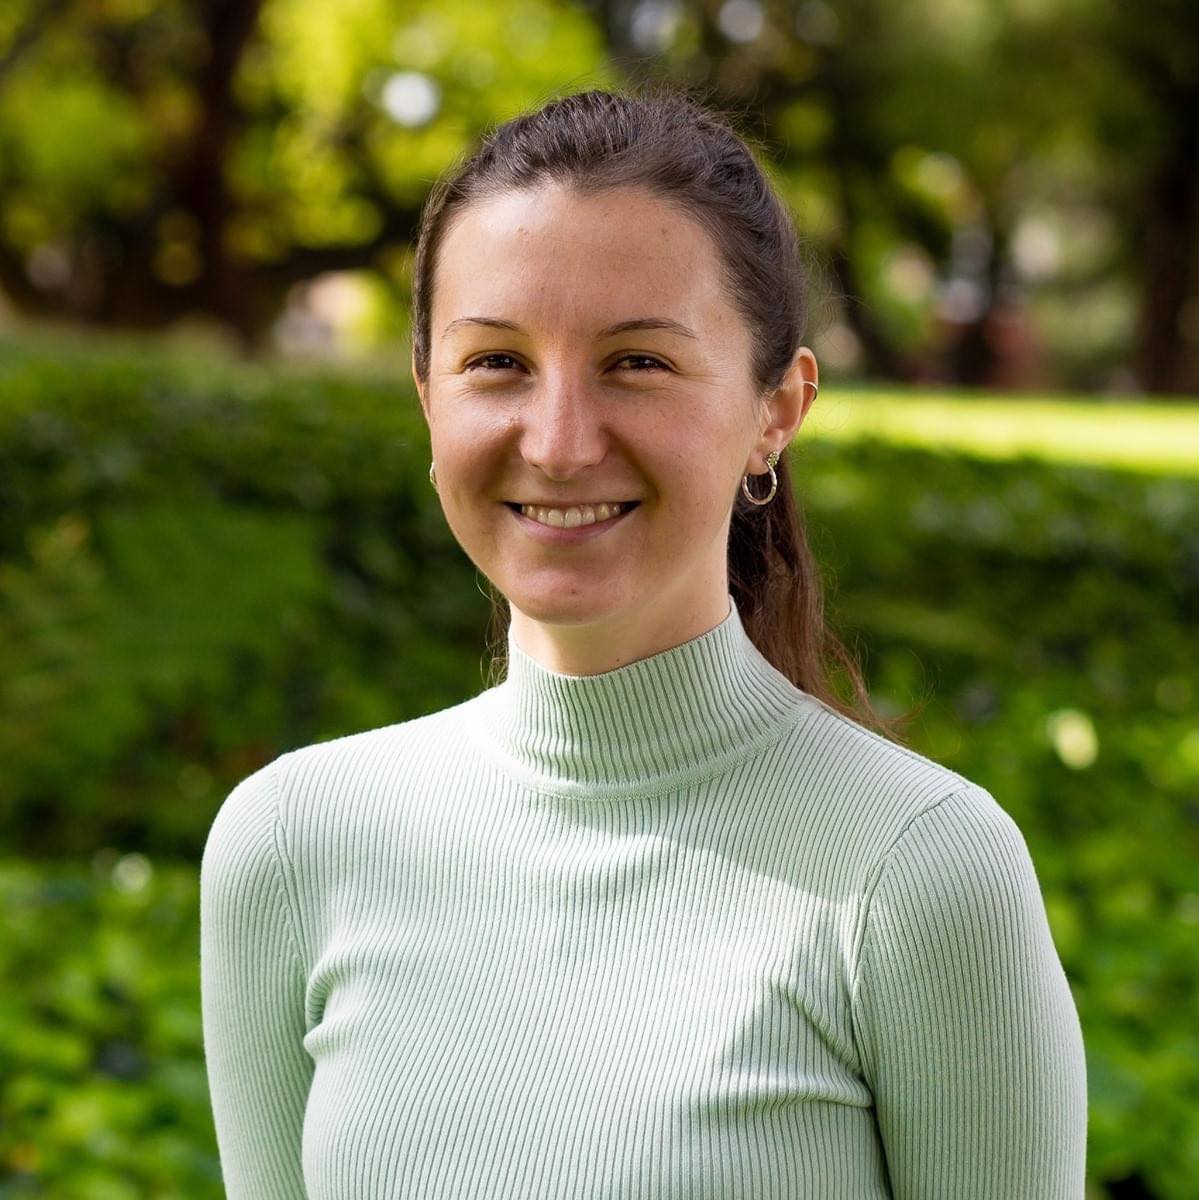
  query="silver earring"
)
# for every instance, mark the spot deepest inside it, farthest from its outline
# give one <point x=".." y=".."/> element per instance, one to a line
<point x="432" y="477"/>
<point x="771" y="459"/>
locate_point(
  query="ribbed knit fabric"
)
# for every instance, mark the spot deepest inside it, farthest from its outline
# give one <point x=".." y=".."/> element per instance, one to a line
<point x="678" y="931"/>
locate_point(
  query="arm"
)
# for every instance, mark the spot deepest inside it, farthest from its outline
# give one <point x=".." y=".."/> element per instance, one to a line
<point x="968" y="1032"/>
<point x="252" y="984"/>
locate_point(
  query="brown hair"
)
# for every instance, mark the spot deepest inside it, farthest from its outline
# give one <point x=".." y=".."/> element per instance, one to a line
<point x="681" y="151"/>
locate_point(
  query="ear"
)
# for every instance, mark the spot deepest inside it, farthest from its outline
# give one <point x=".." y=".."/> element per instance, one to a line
<point x="784" y="409"/>
<point x="421" y="390"/>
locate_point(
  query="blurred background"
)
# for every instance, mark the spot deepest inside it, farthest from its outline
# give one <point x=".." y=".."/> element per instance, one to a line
<point x="218" y="542"/>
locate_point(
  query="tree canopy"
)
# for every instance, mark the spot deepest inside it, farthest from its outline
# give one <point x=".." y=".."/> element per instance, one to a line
<point x="1002" y="192"/>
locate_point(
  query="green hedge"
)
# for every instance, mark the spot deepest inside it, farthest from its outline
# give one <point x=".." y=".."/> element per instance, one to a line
<point x="103" y="1094"/>
<point x="202" y="565"/>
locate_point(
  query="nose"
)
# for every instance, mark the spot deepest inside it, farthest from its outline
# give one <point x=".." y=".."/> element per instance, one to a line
<point x="563" y="429"/>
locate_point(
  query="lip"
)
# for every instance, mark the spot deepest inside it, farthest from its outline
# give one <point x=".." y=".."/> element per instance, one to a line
<point x="560" y="537"/>
<point x="568" y="503"/>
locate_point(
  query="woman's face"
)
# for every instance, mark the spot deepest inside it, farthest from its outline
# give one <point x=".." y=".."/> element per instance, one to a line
<point x="583" y="351"/>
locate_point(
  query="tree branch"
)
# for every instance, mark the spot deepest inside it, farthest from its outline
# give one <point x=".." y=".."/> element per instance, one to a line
<point x="44" y="14"/>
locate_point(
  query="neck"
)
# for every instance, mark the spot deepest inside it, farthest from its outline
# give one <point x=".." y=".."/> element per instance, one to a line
<point x="650" y="726"/>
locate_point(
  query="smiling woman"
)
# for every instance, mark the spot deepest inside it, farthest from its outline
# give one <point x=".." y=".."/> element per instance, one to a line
<point x="657" y="915"/>
<point x="611" y="365"/>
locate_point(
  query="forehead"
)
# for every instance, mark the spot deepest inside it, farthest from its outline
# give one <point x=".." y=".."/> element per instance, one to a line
<point x="551" y="256"/>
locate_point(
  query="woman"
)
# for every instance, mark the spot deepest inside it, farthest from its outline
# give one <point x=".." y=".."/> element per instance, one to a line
<point x="653" y="917"/>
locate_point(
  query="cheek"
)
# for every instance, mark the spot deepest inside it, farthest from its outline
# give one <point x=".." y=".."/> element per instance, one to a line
<point x="703" y="468"/>
<point x="467" y="444"/>
<point x="475" y="529"/>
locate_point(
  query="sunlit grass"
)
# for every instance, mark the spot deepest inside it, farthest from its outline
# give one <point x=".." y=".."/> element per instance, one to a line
<point x="1153" y="437"/>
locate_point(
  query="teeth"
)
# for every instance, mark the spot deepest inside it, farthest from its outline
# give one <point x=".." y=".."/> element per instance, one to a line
<point x="571" y="518"/>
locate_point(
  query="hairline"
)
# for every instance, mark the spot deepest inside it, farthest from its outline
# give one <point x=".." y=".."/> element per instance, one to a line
<point x="489" y="189"/>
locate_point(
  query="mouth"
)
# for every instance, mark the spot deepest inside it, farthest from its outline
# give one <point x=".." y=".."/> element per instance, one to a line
<point x="573" y="516"/>
<point x="625" y="505"/>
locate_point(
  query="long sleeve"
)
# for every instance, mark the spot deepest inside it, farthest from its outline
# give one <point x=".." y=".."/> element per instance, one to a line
<point x="969" y="1035"/>
<point x="252" y="999"/>
<point x="673" y="930"/>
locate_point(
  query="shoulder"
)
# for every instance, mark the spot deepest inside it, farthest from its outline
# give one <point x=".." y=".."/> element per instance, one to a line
<point x="921" y="834"/>
<point x="310" y="790"/>
<point x="957" y="888"/>
<point x="240" y="853"/>
<point x="356" y="758"/>
<point x="846" y="776"/>
<point x="953" y="922"/>
<point x="957" y="859"/>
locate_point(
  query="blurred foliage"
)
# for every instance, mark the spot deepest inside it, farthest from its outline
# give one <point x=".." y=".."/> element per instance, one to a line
<point x="104" y="1093"/>
<point x="994" y="191"/>
<point x="195" y="564"/>
<point x="159" y="161"/>
<point x="204" y="565"/>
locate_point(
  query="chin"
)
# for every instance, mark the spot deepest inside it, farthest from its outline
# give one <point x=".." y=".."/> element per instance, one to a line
<point x="563" y="606"/>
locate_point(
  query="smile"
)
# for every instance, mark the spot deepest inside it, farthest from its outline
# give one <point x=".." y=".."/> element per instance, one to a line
<point x="575" y="515"/>
<point x="579" y="522"/>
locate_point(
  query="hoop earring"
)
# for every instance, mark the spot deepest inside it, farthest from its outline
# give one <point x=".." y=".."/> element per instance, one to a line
<point x="432" y="477"/>
<point x="771" y="459"/>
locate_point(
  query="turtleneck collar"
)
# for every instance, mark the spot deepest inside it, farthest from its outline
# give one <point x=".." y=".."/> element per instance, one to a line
<point x="653" y="725"/>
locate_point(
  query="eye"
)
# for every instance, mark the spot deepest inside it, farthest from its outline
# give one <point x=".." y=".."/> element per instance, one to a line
<point x="481" y="363"/>
<point x="653" y="363"/>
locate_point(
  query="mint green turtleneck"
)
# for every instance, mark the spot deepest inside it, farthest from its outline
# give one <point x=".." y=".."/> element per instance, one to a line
<point x="678" y="931"/>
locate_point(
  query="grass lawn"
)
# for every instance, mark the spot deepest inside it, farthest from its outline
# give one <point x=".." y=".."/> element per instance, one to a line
<point x="1159" y="438"/>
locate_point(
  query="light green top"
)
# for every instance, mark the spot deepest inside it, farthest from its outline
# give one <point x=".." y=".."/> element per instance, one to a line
<point x="678" y="931"/>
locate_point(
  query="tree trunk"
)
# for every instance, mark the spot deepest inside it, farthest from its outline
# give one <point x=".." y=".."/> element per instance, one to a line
<point x="1166" y="359"/>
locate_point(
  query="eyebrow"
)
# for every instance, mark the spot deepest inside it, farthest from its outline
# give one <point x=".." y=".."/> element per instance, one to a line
<point x="608" y="331"/>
